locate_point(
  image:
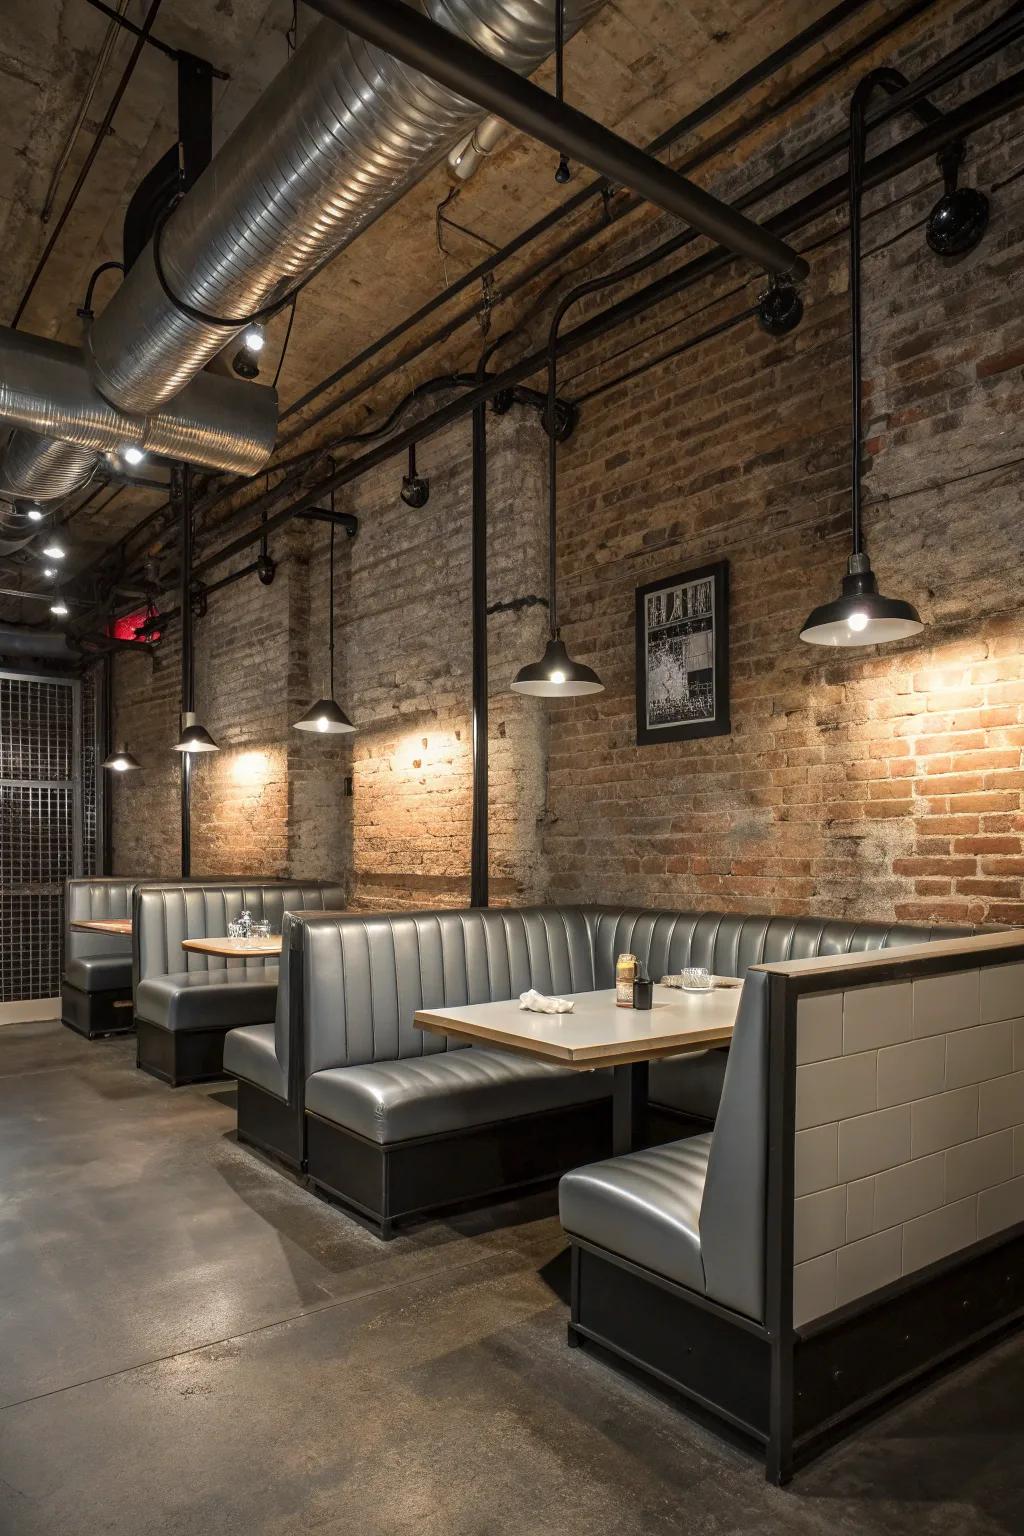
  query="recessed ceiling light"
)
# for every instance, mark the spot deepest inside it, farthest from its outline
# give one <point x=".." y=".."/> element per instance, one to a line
<point x="133" y="455"/>
<point x="54" y="551"/>
<point x="60" y="608"/>
<point x="35" y="515"/>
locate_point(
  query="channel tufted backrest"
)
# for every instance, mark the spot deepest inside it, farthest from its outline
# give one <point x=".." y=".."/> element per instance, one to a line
<point x="365" y="975"/>
<point x="94" y="900"/>
<point x="166" y="913"/>
<point x="727" y="943"/>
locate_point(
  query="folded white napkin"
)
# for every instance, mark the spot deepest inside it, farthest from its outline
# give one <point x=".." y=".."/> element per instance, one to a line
<point x="536" y="1002"/>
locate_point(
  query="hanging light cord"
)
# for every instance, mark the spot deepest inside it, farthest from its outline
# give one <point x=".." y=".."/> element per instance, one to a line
<point x="330" y="615"/>
<point x="552" y="484"/>
<point x="892" y="81"/>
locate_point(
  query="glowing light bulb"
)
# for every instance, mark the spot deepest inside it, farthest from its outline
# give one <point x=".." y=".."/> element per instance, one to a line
<point x="253" y="338"/>
<point x="857" y="621"/>
<point x="119" y="765"/>
<point x="558" y="678"/>
<point x="321" y="724"/>
<point x="49" y="572"/>
<point x="133" y="455"/>
<point x="53" y="551"/>
<point x="60" y="608"/>
<point x="35" y="515"/>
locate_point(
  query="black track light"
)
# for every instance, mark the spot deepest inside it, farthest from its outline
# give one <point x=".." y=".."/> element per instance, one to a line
<point x="959" y="219"/>
<point x="245" y="365"/>
<point x="415" y="490"/>
<point x="563" y="173"/>
<point x="780" y="308"/>
<point x="266" y="568"/>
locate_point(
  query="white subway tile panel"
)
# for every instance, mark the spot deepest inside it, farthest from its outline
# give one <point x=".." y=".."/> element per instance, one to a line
<point x="820" y="1225"/>
<point x="814" y="1289"/>
<point x="932" y="1237"/>
<point x="860" y="1209"/>
<point x="868" y="1265"/>
<point x="978" y="1164"/>
<point x="816" y="1159"/>
<point x="1002" y="992"/>
<point x="1001" y="1207"/>
<point x="874" y="1016"/>
<point x="910" y="1190"/>
<point x="835" y="1090"/>
<point x="869" y="1143"/>
<point x="819" y="1027"/>
<point x="912" y="1071"/>
<point x="944" y="1121"/>
<point x="945" y="1003"/>
<point x="1001" y="1103"/>
<point x="972" y="1055"/>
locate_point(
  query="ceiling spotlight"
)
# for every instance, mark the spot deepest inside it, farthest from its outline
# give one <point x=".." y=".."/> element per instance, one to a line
<point x="35" y="514"/>
<point x="133" y="455"/>
<point x="59" y="608"/>
<point x="253" y="338"/>
<point x="244" y="364"/>
<point x="49" y="572"/>
<point x="121" y="761"/>
<point x="415" y="490"/>
<point x="54" y="551"/>
<point x="960" y="217"/>
<point x="780" y="308"/>
<point x="563" y="173"/>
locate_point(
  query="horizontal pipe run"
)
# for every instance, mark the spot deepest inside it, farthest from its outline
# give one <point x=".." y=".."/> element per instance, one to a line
<point x="219" y="423"/>
<point x="421" y="44"/>
<point x="980" y="110"/>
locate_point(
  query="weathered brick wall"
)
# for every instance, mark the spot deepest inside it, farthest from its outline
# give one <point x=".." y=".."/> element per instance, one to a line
<point x="879" y="783"/>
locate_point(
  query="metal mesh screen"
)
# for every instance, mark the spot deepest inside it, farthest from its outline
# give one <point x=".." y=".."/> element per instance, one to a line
<point x="90" y="787"/>
<point x="37" y="831"/>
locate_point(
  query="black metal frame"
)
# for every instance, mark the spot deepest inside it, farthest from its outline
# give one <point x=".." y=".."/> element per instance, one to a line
<point x="179" y="1056"/>
<point x="720" y="725"/>
<point x="97" y="1015"/>
<point x="792" y="1391"/>
<point x="387" y="1184"/>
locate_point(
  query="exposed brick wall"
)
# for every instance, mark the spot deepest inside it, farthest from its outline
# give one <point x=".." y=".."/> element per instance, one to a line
<point x="881" y="784"/>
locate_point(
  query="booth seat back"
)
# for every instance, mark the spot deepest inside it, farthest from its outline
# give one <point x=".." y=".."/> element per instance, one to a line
<point x="165" y="914"/>
<point x="93" y="900"/>
<point x="365" y="975"/>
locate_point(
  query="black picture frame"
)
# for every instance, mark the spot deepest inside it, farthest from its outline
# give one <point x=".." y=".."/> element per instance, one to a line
<point x="684" y="612"/>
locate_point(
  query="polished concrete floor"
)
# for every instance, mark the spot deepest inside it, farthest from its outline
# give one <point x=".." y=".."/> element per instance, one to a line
<point x="189" y="1342"/>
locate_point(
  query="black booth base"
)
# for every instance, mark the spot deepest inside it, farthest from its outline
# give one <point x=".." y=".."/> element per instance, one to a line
<point x="180" y="1056"/>
<point x="385" y="1185"/>
<point x="269" y="1124"/>
<point x="842" y="1370"/>
<point x="96" y="1015"/>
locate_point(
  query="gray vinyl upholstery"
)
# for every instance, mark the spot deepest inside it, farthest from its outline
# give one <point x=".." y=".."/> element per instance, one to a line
<point x="251" y="1053"/>
<point x="177" y="989"/>
<point x="97" y="962"/>
<point x="393" y="1101"/>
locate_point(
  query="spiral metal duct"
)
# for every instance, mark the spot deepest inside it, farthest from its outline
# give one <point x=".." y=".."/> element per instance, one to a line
<point x="337" y="138"/>
<point x="217" y="422"/>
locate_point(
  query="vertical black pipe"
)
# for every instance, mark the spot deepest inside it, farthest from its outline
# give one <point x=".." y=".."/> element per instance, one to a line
<point x="182" y="501"/>
<point x="103" y="747"/>
<point x="479" y="862"/>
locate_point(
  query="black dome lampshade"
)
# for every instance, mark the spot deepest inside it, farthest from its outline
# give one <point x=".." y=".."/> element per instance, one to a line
<point x="194" y="737"/>
<point x="121" y="761"/>
<point x="326" y="717"/>
<point x="860" y="615"/>
<point x="556" y="675"/>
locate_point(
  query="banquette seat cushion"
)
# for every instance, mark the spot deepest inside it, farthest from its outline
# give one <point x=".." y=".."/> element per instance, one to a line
<point x="99" y="973"/>
<point x="97" y="962"/>
<point x="208" y="999"/>
<point x="250" y="1053"/>
<point x="394" y="1101"/>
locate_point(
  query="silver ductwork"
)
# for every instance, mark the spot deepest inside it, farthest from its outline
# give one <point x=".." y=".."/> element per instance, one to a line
<point x="217" y="422"/>
<point x="337" y="138"/>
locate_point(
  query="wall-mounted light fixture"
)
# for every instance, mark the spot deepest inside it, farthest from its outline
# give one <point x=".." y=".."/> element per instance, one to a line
<point x="121" y="761"/>
<point x="959" y="219"/>
<point x="415" y="490"/>
<point x="860" y="615"/>
<point x="326" y="716"/>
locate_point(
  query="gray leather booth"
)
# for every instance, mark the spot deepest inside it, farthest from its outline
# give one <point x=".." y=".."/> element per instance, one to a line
<point x="185" y="1002"/>
<point x="393" y="1121"/>
<point x="96" y="986"/>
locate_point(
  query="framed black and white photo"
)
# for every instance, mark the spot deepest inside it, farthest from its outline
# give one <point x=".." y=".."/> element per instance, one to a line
<point x="682" y="656"/>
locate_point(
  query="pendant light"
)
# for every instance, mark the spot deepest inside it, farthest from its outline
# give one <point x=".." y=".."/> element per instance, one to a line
<point x="121" y="761"/>
<point x="194" y="737"/>
<point x="861" y="615"/>
<point x="325" y="715"/>
<point x="556" y="675"/>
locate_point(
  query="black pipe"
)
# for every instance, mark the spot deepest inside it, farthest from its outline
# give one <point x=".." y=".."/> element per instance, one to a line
<point x="181" y="498"/>
<point x="102" y="749"/>
<point x="422" y="44"/>
<point x="479" y="861"/>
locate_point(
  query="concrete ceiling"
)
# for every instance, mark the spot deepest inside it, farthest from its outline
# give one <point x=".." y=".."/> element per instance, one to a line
<point x="639" y="66"/>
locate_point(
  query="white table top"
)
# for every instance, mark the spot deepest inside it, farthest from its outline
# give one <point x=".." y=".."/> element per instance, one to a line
<point x="596" y="1033"/>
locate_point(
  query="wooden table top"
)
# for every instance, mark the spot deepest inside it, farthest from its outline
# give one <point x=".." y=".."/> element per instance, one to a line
<point x="233" y="948"/>
<point x="596" y="1033"/>
<point x="121" y="925"/>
